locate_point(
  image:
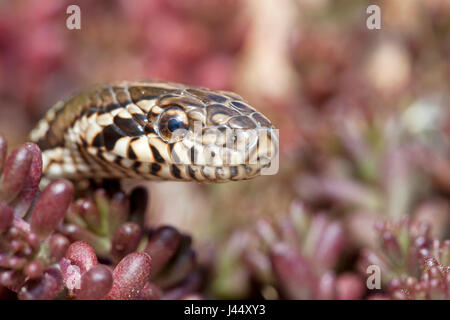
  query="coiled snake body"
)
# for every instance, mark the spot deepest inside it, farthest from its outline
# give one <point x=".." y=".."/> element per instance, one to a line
<point x="155" y="130"/>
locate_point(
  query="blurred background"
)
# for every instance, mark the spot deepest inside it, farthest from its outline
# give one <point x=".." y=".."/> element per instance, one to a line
<point x="363" y="115"/>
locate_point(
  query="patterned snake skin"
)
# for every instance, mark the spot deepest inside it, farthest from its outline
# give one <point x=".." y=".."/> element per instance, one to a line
<point x="155" y="130"/>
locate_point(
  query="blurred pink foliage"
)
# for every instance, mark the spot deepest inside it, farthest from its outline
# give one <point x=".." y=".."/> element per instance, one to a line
<point x="41" y="61"/>
<point x="32" y="48"/>
<point x="361" y="140"/>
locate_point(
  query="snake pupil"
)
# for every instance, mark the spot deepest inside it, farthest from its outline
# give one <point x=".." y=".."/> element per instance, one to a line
<point x="173" y="124"/>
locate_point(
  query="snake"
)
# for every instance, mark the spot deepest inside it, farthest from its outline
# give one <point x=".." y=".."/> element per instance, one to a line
<point x="155" y="130"/>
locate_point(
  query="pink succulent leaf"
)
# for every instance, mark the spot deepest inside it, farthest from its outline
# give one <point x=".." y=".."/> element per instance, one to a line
<point x="31" y="185"/>
<point x="130" y="276"/>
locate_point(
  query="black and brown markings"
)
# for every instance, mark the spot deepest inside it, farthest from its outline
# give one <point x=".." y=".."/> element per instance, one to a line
<point x="175" y="171"/>
<point x="103" y="99"/>
<point x="221" y="108"/>
<point x="64" y="114"/>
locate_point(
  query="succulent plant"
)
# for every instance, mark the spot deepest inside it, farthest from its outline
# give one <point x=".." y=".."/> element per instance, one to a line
<point x="353" y="156"/>
<point x="51" y="247"/>
<point x="291" y="258"/>
<point x="113" y="228"/>
<point x="413" y="265"/>
<point x="164" y="269"/>
<point x="29" y="248"/>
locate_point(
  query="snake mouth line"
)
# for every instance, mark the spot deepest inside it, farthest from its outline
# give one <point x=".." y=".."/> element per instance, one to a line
<point x="227" y="147"/>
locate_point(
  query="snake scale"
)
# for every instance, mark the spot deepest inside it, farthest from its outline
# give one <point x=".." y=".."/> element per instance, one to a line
<point x="155" y="130"/>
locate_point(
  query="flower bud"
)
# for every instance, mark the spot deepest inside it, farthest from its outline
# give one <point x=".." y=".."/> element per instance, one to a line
<point x="71" y="274"/>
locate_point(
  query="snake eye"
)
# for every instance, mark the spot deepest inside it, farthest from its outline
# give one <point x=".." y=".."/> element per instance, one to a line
<point x="173" y="124"/>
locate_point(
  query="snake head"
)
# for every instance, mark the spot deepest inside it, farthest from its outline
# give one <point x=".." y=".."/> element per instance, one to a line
<point x="214" y="135"/>
<point x="156" y="130"/>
